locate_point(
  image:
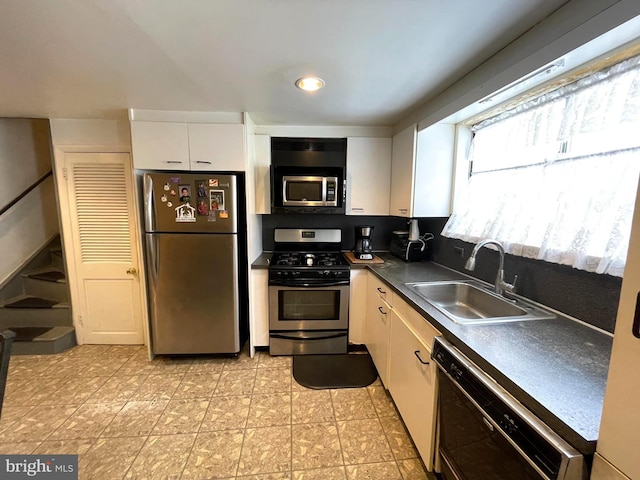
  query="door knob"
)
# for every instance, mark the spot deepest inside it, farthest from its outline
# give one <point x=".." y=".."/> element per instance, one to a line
<point x="132" y="271"/>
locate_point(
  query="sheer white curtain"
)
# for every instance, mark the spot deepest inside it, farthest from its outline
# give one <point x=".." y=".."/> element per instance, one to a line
<point x="556" y="178"/>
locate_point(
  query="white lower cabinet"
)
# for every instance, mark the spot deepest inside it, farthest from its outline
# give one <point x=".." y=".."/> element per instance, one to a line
<point x="399" y="340"/>
<point x="412" y="383"/>
<point x="377" y="325"/>
<point x="259" y="308"/>
<point x="357" y="305"/>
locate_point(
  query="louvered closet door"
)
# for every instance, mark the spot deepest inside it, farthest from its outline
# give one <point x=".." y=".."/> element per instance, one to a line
<point x="107" y="262"/>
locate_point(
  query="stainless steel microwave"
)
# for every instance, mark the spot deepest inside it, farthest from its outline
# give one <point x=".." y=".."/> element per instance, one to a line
<point x="309" y="191"/>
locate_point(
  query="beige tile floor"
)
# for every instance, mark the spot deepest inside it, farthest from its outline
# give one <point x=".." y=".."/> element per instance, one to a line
<point x="202" y="418"/>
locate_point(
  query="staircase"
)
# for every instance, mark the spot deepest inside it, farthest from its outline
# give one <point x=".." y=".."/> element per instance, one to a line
<point x="35" y="305"/>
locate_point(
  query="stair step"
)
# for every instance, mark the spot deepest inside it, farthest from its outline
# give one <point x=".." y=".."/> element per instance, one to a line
<point x="46" y="283"/>
<point x="29" y="301"/>
<point x="49" y="274"/>
<point x="27" y="334"/>
<point x="58" y="315"/>
<point x="57" y="258"/>
<point x="54" y="340"/>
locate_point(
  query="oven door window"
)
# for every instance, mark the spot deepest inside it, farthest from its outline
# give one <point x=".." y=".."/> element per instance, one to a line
<point x="297" y="305"/>
<point x="308" y="308"/>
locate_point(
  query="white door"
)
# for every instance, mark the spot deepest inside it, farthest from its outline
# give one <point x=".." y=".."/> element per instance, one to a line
<point x="106" y="266"/>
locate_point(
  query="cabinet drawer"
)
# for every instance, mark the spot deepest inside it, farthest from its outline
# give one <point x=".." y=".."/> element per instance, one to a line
<point x="382" y="289"/>
<point x="418" y="323"/>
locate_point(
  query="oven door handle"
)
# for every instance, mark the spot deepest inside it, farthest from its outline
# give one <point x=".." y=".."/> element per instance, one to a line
<point x="323" y="337"/>
<point x="339" y="283"/>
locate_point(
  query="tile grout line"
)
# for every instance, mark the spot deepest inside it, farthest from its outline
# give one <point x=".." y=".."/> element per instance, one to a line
<point x="386" y="437"/>
<point x="246" y="421"/>
<point x="335" y="421"/>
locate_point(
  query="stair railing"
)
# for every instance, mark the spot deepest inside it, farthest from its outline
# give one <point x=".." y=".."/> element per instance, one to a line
<point x="25" y="192"/>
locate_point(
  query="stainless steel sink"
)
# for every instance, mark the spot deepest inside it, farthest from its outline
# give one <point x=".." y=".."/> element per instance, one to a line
<point x="469" y="302"/>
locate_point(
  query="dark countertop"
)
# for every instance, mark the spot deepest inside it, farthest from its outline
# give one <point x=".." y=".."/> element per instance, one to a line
<point x="262" y="261"/>
<point x="556" y="368"/>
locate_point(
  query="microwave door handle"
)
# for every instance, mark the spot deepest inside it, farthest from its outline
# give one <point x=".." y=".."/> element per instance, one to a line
<point x="284" y="191"/>
<point x="324" y="190"/>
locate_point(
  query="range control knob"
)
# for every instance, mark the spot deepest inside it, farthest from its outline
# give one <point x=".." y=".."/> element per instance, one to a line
<point x="326" y="273"/>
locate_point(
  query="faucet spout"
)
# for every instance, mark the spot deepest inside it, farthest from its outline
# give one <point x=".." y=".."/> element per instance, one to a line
<point x="500" y="284"/>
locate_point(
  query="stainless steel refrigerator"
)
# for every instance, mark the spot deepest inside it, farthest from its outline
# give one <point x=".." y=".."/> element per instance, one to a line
<point x="194" y="227"/>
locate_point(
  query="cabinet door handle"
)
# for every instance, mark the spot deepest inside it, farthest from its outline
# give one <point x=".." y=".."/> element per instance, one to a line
<point x="402" y="210"/>
<point x="357" y="209"/>
<point x="384" y="292"/>
<point x="381" y="311"/>
<point x="417" y="354"/>
<point x="173" y="161"/>
<point x="203" y="161"/>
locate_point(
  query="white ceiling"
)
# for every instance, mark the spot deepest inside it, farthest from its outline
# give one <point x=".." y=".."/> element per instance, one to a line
<point x="379" y="58"/>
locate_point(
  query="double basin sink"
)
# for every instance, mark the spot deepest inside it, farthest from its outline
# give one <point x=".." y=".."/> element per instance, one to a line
<point x="469" y="302"/>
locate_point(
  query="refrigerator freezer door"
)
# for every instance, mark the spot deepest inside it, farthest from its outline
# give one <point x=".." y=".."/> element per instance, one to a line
<point x="193" y="293"/>
<point x="190" y="202"/>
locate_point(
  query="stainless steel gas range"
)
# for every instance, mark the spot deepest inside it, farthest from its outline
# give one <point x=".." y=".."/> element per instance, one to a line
<point x="308" y="293"/>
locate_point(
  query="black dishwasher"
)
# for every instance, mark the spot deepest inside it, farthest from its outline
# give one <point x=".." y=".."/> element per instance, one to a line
<point x="485" y="434"/>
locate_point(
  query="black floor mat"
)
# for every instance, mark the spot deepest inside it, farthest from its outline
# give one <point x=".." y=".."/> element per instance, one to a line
<point x="334" y="371"/>
<point x="51" y="276"/>
<point x="26" y="334"/>
<point x="32" y="302"/>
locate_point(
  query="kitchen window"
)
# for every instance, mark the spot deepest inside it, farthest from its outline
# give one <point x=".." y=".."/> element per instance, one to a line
<point x="555" y="178"/>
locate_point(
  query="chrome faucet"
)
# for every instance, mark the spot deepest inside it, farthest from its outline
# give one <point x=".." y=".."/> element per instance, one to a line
<point x="501" y="285"/>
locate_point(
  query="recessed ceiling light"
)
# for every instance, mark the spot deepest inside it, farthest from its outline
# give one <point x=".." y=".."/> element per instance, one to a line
<point x="309" y="84"/>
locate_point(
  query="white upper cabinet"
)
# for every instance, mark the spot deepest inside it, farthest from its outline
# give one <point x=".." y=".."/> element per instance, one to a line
<point x="422" y="171"/>
<point x="216" y="146"/>
<point x="402" y="165"/>
<point x="262" y="173"/>
<point x="368" y="175"/>
<point x="433" y="177"/>
<point x="187" y="146"/>
<point x="160" y="145"/>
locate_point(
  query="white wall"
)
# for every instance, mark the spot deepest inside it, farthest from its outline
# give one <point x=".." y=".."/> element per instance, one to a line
<point x="31" y="223"/>
<point x="65" y="131"/>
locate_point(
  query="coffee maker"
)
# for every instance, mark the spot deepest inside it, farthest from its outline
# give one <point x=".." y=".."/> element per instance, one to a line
<point x="362" y="250"/>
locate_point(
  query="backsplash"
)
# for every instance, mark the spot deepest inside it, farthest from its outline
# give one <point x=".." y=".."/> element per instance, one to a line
<point x="590" y="297"/>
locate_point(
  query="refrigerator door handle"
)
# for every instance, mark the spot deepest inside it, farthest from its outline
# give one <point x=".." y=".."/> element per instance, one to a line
<point x="149" y="207"/>
<point x="152" y="249"/>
